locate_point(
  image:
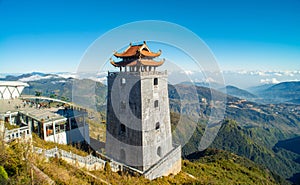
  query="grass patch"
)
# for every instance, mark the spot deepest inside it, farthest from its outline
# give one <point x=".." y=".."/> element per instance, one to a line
<point x="8" y="126"/>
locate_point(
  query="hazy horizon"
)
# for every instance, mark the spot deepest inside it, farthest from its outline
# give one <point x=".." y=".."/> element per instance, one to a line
<point x="250" y="78"/>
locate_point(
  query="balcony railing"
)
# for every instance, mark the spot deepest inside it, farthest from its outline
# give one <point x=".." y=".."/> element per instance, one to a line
<point x="17" y="133"/>
<point x="140" y="73"/>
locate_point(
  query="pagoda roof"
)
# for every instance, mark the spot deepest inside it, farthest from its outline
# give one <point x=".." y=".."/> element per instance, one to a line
<point x="140" y="51"/>
<point x="141" y="62"/>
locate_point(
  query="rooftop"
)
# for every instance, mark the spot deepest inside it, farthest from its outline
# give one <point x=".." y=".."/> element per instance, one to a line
<point x="13" y="83"/>
<point x="139" y="57"/>
<point x="30" y="108"/>
<point x="137" y="51"/>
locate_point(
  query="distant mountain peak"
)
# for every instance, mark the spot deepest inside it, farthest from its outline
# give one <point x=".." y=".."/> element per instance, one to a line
<point x="282" y="92"/>
<point x="237" y="92"/>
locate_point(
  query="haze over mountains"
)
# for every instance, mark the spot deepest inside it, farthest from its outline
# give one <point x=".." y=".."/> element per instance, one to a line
<point x="243" y="79"/>
<point x="264" y="92"/>
<point x="259" y="124"/>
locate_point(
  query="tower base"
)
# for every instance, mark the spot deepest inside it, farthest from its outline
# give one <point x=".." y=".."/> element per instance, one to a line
<point x="169" y="164"/>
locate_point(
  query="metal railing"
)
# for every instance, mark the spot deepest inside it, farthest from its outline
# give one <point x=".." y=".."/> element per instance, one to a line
<point x="87" y="160"/>
<point x="17" y="133"/>
<point x="141" y="73"/>
<point x="56" y="152"/>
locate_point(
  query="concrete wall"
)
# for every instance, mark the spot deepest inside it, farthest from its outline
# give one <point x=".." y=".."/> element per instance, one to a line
<point x="119" y="111"/>
<point x="170" y="164"/>
<point x="60" y="138"/>
<point x="131" y="102"/>
<point x="153" y="138"/>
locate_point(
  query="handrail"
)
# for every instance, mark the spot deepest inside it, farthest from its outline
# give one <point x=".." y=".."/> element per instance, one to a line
<point x="141" y="73"/>
<point x="90" y="159"/>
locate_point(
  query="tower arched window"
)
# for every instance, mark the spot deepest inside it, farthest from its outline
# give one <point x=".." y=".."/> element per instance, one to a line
<point x="155" y="81"/>
<point x="159" y="151"/>
<point x="122" y="129"/>
<point x="156" y="103"/>
<point x="123" y="81"/>
<point x="123" y="105"/>
<point x="122" y="155"/>
<point x="157" y="126"/>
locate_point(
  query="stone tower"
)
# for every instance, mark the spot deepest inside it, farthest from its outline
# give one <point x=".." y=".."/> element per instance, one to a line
<point x="138" y="118"/>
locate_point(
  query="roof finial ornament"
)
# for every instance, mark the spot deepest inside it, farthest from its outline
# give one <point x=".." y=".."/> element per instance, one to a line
<point x="130" y="44"/>
<point x="144" y="42"/>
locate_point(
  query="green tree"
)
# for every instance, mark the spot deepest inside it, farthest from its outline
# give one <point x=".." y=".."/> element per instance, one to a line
<point x="53" y="96"/>
<point x="38" y="93"/>
<point x="3" y="175"/>
<point x="64" y="98"/>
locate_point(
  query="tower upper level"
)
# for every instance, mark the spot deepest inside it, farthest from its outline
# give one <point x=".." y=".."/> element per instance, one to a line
<point x="137" y="58"/>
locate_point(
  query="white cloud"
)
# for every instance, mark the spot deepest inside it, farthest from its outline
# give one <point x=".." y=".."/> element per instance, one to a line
<point x="243" y="72"/>
<point x="262" y="73"/>
<point x="187" y="72"/>
<point x="36" y="77"/>
<point x="209" y="80"/>
<point x="102" y="73"/>
<point x="67" y="75"/>
<point x="293" y="80"/>
<point x="269" y="81"/>
<point x="102" y="80"/>
<point x="278" y="74"/>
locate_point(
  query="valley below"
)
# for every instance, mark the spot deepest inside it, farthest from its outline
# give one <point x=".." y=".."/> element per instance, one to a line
<point x="259" y="130"/>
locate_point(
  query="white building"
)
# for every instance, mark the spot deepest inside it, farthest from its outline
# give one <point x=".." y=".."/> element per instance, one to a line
<point x="11" y="89"/>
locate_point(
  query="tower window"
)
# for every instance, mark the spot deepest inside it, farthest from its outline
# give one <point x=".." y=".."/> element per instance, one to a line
<point x="122" y="129"/>
<point x="157" y="126"/>
<point x="123" y="105"/>
<point x="159" y="151"/>
<point x="123" y="81"/>
<point x="156" y="103"/>
<point x="155" y="82"/>
<point x="122" y="155"/>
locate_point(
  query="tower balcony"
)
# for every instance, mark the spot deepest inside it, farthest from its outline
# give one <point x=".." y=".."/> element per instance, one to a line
<point x="138" y="73"/>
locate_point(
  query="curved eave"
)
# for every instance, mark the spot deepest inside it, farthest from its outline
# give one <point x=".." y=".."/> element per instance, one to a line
<point x="123" y="64"/>
<point x="151" y="63"/>
<point x="129" y="52"/>
<point x="122" y="55"/>
<point x="150" y="54"/>
<point x="144" y="53"/>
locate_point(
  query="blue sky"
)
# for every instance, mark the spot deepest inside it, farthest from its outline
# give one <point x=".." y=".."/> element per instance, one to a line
<point x="52" y="36"/>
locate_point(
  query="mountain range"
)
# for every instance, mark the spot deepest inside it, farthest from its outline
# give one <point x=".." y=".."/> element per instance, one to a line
<point x="257" y="125"/>
<point x="268" y="93"/>
<point x="237" y="92"/>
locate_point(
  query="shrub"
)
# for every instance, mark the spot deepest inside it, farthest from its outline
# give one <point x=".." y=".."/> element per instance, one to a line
<point x="3" y="175"/>
<point x="107" y="168"/>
